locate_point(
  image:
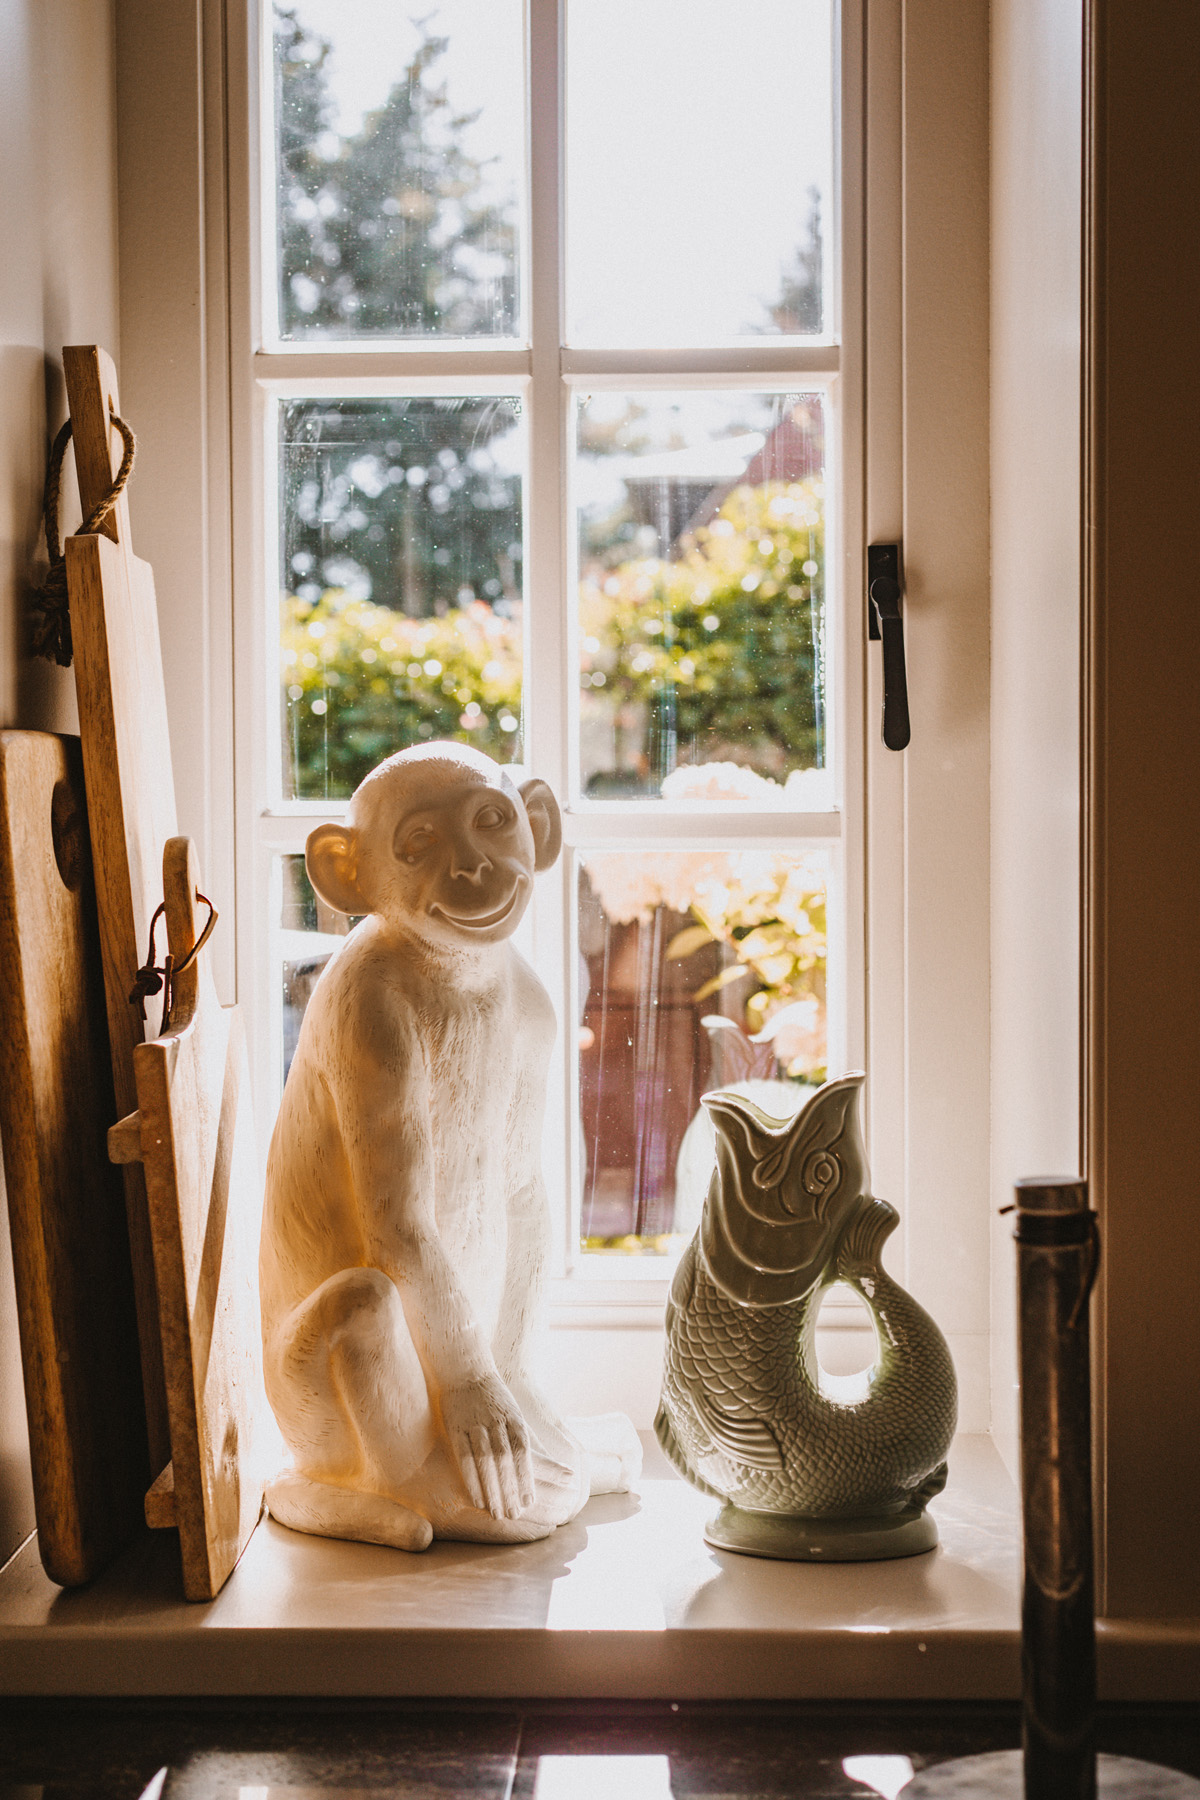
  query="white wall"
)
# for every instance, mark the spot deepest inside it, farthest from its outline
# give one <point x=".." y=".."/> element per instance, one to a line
<point x="1037" y="136"/>
<point x="58" y="285"/>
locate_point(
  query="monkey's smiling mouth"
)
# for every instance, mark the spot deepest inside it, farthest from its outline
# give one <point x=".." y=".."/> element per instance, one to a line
<point x="478" y="921"/>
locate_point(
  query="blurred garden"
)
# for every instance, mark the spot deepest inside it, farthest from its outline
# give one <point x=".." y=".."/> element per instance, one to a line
<point x="698" y="624"/>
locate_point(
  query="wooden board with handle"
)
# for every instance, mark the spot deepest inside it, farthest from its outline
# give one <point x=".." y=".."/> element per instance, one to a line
<point x="194" y="1134"/>
<point x="75" y="1304"/>
<point x="130" y="789"/>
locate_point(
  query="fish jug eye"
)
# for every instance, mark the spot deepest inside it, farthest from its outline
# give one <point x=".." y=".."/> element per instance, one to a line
<point x="821" y="1172"/>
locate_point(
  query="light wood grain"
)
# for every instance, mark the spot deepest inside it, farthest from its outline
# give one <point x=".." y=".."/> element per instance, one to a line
<point x="161" y="1514"/>
<point x="131" y="793"/>
<point x="75" y="1306"/>
<point x="91" y="390"/>
<point x="205" y="1195"/>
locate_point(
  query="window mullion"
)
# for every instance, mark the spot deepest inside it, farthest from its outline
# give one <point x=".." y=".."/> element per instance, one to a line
<point x="545" y="700"/>
<point x="545" y="709"/>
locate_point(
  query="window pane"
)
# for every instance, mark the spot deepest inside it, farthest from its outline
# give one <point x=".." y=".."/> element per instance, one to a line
<point x="699" y="156"/>
<point x="698" y="969"/>
<point x="399" y="141"/>
<point x="701" y="530"/>
<point x="400" y="582"/>
<point x="311" y="933"/>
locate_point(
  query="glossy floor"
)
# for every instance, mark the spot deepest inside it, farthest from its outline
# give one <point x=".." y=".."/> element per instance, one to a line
<point x="62" y="1750"/>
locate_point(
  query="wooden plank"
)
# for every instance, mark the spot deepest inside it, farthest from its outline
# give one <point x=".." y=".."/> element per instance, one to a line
<point x="160" y="1502"/>
<point x="205" y="1195"/>
<point x="75" y="1305"/>
<point x="91" y="377"/>
<point x="130" y="789"/>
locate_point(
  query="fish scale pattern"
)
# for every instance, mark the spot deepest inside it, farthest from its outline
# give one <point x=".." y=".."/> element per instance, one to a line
<point x="726" y="1362"/>
<point x="743" y="1414"/>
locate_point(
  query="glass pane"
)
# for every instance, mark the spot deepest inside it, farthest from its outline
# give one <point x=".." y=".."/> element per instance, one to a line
<point x="400" y="525"/>
<point x="698" y="969"/>
<point x="699" y="159"/>
<point x="701" y="522"/>
<point x="399" y="144"/>
<point x="311" y="933"/>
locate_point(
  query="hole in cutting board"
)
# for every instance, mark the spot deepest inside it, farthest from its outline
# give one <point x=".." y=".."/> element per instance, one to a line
<point x="67" y="833"/>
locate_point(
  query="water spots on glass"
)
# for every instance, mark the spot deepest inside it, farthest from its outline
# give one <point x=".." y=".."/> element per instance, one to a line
<point x="702" y="634"/>
<point x="399" y="150"/>
<point x="407" y="624"/>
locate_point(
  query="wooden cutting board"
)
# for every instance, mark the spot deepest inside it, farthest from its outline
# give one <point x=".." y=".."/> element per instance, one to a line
<point x="194" y="1134"/>
<point x="75" y="1304"/>
<point x="130" y="787"/>
<point x="186" y="1133"/>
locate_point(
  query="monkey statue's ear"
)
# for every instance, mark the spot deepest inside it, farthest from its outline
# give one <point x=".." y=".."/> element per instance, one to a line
<point x="330" y="856"/>
<point x="545" y="821"/>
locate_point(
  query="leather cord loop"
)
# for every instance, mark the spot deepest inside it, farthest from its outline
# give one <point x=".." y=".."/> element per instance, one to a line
<point x="152" y="978"/>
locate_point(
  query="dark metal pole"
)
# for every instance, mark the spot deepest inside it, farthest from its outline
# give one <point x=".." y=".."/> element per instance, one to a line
<point x="1057" y="1253"/>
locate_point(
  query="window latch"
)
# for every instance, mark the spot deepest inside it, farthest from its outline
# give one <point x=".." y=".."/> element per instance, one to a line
<point x="886" y="624"/>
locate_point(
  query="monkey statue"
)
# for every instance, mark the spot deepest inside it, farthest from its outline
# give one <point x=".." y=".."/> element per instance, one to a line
<point x="406" y="1225"/>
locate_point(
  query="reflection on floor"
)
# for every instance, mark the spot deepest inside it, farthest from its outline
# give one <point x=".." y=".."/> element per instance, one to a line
<point x="70" y="1750"/>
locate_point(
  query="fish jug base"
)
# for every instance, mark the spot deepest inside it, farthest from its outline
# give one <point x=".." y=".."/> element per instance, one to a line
<point x="786" y="1537"/>
<point x="1000" y="1775"/>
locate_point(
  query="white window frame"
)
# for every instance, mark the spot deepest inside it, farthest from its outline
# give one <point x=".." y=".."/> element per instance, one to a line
<point x="546" y="378"/>
<point x="914" y="335"/>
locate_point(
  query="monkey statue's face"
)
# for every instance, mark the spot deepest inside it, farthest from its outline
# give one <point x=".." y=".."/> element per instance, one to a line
<point x="442" y="844"/>
<point x="463" y="864"/>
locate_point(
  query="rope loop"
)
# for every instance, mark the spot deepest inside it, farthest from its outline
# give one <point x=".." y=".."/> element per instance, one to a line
<point x="52" y="632"/>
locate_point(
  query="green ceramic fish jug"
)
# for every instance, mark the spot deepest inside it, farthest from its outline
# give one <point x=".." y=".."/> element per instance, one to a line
<point x="807" y="1470"/>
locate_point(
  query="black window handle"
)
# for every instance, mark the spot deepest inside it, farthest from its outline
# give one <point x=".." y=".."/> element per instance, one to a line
<point x="885" y="622"/>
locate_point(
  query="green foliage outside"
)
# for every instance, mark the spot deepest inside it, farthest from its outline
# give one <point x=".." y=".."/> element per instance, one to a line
<point x="717" y="655"/>
<point x="401" y="518"/>
<point x="363" y="681"/>
<point x="384" y="233"/>
<point x="712" y="655"/>
<point x="402" y="500"/>
<point x="726" y="640"/>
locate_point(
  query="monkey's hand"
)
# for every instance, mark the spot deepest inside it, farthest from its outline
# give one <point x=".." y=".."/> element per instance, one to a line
<point x="490" y="1442"/>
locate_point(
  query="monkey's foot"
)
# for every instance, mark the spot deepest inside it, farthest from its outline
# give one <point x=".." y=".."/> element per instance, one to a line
<point x="326" y="1511"/>
<point x="614" y="1452"/>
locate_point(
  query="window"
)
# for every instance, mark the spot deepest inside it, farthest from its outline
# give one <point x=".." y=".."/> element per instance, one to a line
<point x="551" y="438"/>
<point x="903" y="385"/>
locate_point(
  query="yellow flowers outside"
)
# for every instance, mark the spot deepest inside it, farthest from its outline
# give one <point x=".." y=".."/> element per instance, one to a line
<point x="766" y="908"/>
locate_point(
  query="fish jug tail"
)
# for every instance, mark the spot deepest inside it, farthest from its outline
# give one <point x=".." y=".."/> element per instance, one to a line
<point x="860" y="1252"/>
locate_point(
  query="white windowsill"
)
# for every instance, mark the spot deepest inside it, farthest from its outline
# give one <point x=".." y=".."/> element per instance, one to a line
<point x="627" y="1602"/>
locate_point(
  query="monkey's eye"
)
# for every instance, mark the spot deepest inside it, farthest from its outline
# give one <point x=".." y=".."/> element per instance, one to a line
<point x="417" y="843"/>
<point x="489" y="818"/>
